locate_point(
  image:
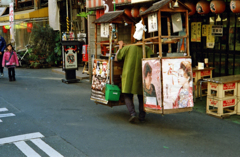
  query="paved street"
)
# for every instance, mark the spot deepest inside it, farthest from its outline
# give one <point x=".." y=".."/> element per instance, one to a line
<point x="41" y="116"/>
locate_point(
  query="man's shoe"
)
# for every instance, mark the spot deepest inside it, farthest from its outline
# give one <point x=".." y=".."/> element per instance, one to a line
<point x="141" y="120"/>
<point x="2" y="74"/>
<point x="132" y="119"/>
<point x="14" y="79"/>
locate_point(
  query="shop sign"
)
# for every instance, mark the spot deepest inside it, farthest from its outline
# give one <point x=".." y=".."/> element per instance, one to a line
<point x="11" y="12"/>
<point x="210" y="42"/>
<point x="70" y="57"/>
<point x="205" y="73"/>
<point x="104" y="30"/>
<point x="193" y="31"/>
<point x="152" y="23"/>
<point x="204" y="31"/>
<point x="217" y="30"/>
<point x="199" y="26"/>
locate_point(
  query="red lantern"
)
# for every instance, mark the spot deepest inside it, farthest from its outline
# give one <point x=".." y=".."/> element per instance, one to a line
<point x="203" y="7"/>
<point x="29" y="27"/>
<point x="217" y="6"/>
<point x="135" y="12"/>
<point x="142" y="9"/>
<point x="192" y="7"/>
<point x="4" y="30"/>
<point x="128" y="12"/>
<point x="235" y="6"/>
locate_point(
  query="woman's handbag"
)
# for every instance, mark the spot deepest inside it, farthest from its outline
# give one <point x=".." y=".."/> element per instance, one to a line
<point x="7" y="63"/>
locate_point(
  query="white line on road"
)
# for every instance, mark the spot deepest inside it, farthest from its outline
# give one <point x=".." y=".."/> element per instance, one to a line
<point x="46" y="148"/>
<point x="6" y="115"/>
<point x="20" y="138"/>
<point x="3" y="109"/>
<point x="26" y="149"/>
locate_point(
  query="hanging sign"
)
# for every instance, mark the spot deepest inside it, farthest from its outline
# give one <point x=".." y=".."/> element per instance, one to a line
<point x="217" y="30"/>
<point x="204" y="31"/>
<point x="193" y="32"/>
<point x="152" y="23"/>
<point x="70" y="53"/>
<point x="104" y="30"/>
<point x="177" y="22"/>
<point x="199" y="24"/>
<point x="11" y="19"/>
<point x="210" y="39"/>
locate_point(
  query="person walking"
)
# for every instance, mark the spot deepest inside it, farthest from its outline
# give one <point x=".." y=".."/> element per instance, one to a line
<point x="10" y="61"/>
<point x="132" y="77"/>
<point x="2" y="48"/>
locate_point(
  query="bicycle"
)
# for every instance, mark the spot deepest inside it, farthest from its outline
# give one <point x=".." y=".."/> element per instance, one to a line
<point x="21" y="59"/>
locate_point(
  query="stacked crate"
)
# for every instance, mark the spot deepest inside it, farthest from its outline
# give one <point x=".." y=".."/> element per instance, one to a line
<point x="238" y="97"/>
<point x="201" y="75"/>
<point x="222" y="99"/>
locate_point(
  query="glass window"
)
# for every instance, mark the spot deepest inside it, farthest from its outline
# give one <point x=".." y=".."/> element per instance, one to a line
<point x="237" y="43"/>
<point x="223" y="63"/>
<point x="231" y="32"/>
<point x="237" y="65"/>
<point x="217" y="65"/>
<point x="230" y="64"/>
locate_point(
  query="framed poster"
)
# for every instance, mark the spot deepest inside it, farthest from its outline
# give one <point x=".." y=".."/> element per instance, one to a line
<point x="199" y="26"/>
<point x="193" y="31"/>
<point x="151" y="74"/>
<point x="70" y="57"/>
<point x="177" y="83"/>
<point x="99" y="80"/>
<point x="152" y="23"/>
<point x="217" y="30"/>
<point x="104" y="30"/>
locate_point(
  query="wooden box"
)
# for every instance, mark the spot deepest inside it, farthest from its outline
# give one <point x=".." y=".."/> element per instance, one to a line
<point x="238" y="89"/>
<point x="238" y="105"/>
<point x="221" y="107"/>
<point x="222" y="90"/>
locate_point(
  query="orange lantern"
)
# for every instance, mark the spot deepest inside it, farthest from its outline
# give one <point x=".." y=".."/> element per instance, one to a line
<point x="235" y="6"/>
<point x="135" y="12"/>
<point x="203" y="7"/>
<point x="128" y="12"/>
<point x="142" y="9"/>
<point x="29" y="27"/>
<point x="192" y="7"/>
<point x="217" y="6"/>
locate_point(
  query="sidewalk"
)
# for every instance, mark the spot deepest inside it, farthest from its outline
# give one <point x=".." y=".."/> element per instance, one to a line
<point x="79" y="74"/>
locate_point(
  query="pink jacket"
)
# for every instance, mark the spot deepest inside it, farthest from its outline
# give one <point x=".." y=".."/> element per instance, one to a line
<point x="13" y="61"/>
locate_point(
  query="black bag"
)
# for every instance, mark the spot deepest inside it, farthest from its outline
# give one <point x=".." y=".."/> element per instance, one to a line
<point x="6" y="62"/>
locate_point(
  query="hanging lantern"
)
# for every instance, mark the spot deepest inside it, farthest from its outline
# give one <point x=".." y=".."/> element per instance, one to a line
<point x="5" y="30"/>
<point x="235" y="6"/>
<point x="192" y="7"/>
<point x="135" y="12"/>
<point x="128" y="12"/>
<point x="142" y="9"/>
<point x="29" y="27"/>
<point x="217" y="6"/>
<point x="203" y="7"/>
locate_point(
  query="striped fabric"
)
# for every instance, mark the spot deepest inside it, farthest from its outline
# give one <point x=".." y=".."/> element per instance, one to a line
<point x="99" y="3"/>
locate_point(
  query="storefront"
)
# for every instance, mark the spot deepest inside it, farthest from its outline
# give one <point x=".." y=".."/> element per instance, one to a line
<point x="24" y="22"/>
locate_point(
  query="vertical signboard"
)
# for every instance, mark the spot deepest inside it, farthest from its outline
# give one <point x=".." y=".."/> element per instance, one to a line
<point x="70" y="59"/>
<point x="11" y="20"/>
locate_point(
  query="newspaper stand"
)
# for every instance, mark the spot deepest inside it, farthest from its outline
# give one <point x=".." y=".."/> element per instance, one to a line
<point x="100" y="68"/>
<point x="158" y="15"/>
<point x="70" y="64"/>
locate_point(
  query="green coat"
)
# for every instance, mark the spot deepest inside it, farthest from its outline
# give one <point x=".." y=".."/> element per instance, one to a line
<point x="132" y="68"/>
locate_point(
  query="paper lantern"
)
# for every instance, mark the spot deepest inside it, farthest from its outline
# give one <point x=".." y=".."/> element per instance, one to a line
<point x="235" y="6"/>
<point x="128" y="12"/>
<point x="217" y="6"/>
<point x="142" y="9"/>
<point x="192" y="7"/>
<point x="4" y="30"/>
<point x="135" y="12"/>
<point x="203" y="7"/>
<point x="29" y="27"/>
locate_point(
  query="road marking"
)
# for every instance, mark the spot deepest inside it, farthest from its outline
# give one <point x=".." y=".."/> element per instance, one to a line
<point x="20" y="138"/>
<point x="28" y="151"/>
<point x="46" y="148"/>
<point x="3" y="109"/>
<point x="7" y="115"/>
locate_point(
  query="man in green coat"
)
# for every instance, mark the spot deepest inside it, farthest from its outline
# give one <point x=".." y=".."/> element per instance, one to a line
<point x="132" y="76"/>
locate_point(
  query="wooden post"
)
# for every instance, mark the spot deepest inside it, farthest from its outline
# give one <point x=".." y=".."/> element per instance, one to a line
<point x="187" y="34"/>
<point x="159" y="33"/>
<point x="169" y="34"/>
<point x="95" y="41"/>
<point x="143" y="40"/>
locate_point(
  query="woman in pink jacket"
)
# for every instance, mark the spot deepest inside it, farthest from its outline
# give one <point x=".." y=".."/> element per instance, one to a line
<point x="10" y="61"/>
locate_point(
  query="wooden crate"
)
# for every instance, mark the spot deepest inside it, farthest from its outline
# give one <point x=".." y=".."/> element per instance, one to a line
<point x="238" y="105"/>
<point x="221" y="107"/>
<point x="222" y="90"/>
<point x="238" y="89"/>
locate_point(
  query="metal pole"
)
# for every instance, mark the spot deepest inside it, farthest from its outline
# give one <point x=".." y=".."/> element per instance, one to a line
<point x="70" y="1"/>
<point x="67" y="20"/>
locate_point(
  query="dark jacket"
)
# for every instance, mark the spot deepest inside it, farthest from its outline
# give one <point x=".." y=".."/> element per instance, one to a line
<point x="2" y="47"/>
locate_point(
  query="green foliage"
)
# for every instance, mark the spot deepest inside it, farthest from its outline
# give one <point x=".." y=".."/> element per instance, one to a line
<point x="85" y="14"/>
<point x="46" y="44"/>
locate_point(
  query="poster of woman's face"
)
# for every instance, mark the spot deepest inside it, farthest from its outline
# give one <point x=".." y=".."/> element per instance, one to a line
<point x="177" y="83"/>
<point x="151" y="73"/>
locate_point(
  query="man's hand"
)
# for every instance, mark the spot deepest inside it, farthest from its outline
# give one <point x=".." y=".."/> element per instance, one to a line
<point x="0" y="53"/>
<point x="120" y="47"/>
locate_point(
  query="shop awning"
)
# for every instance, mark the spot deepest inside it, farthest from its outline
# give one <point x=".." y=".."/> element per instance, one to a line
<point x="27" y="14"/>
